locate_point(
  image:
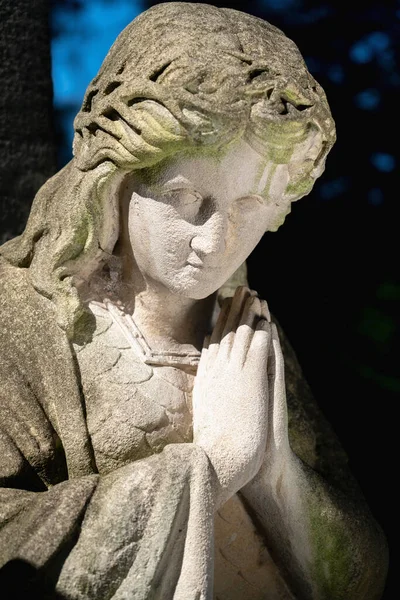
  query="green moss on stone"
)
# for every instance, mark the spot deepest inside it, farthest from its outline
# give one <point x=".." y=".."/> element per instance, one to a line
<point x="333" y="560"/>
<point x="300" y="188"/>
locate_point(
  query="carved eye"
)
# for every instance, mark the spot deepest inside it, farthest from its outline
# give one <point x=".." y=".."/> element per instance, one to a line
<point x="183" y="197"/>
<point x="249" y="205"/>
<point x="187" y="202"/>
<point x="249" y="202"/>
<point x="188" y="198"/>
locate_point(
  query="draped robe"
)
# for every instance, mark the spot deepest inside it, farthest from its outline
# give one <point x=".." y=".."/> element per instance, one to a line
<point x="111" y="499"/>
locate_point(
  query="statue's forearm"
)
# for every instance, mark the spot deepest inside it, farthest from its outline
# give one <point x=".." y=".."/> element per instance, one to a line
<point x="328" y="546"/>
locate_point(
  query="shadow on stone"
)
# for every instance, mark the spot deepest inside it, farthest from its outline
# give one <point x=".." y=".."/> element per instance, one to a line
<point x="20" y="580"/>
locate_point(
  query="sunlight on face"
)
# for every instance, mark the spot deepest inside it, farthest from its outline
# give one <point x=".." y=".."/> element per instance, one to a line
<point x="198" y="219"/>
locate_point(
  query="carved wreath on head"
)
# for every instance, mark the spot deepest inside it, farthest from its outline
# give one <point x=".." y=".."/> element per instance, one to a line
<point x="176" y="78"/>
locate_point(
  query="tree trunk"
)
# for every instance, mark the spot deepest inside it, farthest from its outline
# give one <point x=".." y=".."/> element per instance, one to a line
<point x="27" y="144"/>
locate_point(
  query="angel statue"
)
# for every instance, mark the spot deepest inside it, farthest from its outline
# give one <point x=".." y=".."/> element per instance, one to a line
<point x="158" y="440"/>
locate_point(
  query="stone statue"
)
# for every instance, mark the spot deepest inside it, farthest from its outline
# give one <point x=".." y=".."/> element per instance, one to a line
<point x="156" y="442"/>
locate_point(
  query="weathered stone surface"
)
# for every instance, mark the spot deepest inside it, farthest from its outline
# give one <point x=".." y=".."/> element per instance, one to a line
<point x="142" y="425"/>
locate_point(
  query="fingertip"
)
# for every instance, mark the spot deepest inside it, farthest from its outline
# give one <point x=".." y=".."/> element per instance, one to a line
<point x="222" y="317"/>
<point x="263" y="325"/>
<point x="262" y="337"/>
<point x="241" y="289"/>
<point x="226" y="301"/>
<point x="255" y="304"/>
<point x="265" y="311"/>
<point x="274" y="330"/>
<point x="250" y="312"/>
<point x="225" y="306"/>
<point x="263" y="331"/>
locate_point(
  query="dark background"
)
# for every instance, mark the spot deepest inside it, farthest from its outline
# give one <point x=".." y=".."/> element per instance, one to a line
<point x="330" y="273"/>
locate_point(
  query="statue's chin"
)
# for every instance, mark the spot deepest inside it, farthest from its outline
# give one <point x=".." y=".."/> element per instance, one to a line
<point x="199" y="293"/>
<point x="197" y="289"/>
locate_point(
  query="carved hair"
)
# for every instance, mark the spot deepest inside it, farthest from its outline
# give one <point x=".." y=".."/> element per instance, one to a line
<point x="181" y="76"/>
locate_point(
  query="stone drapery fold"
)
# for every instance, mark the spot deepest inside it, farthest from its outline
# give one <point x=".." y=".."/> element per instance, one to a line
<point x="144" y="530"/>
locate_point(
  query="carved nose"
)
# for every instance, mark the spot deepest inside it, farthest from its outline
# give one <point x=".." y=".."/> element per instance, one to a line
<point x="210" y="238"/>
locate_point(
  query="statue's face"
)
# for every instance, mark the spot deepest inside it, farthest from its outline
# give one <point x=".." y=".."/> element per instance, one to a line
<point x="194" y="221"/>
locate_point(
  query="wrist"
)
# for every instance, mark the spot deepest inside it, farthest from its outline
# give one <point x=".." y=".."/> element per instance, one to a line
<point x="278" y="465"/>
